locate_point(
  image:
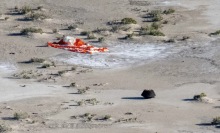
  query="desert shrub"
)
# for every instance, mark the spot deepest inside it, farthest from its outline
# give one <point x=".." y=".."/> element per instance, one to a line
<point x="16" y="8"/>
<point x="80" y="103"/>
<point x="91" y="36"/>
<point x="36" y="16"/>
<point x="199" y="97"/>
<point x="156" y="33"/>
<point x="156" y="26"/>
<point x="73" y="68"/>
<point x="128" y="21"/>
<point x="215" y="33"/>
<point x="60" y="73"/>
<point x="72" y="27"/>
<point x="20" y="115"/>
<point x="73" y="84"/>
<point x="27" y="31"/>
<point x="85" y="33"/>
<point x="4" y="128"/>
<point x="92" y="101"/>
<point x="169" y="11"/>
<point x="6" y="18"/>
<point x="99" y="30"/>
<point x="115" y="28"/>
<point x="107" y="117"/>
<point x="165" y="22"/>
<point x="216" y="121"/>
<point x="25" y="10"/>
<point x="86" y="117"/>
<point x="129" y="36"/>
<point x="144" y="30"/>
<point x="37" y="60"/>
<point x="101" y="39"/>
<point x="114" y="22"/>
<point x="185" y="38"/>
<point x="156" y="15"/>
<point x="39" y="7"/>
<point x="157" y="18"/>
<point x="27" y="74"/>
<point x="55" y="30"/>
<point x="170" y="41"/>
<point x="151" y="30"/>
<point x="47" y="64"/>
<point x="82" y="91"/>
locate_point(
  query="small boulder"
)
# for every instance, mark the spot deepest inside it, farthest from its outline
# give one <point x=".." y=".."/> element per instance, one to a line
<point x="147" y="94"/>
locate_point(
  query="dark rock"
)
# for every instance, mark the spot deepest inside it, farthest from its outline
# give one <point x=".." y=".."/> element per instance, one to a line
<point x="147" y="94"/>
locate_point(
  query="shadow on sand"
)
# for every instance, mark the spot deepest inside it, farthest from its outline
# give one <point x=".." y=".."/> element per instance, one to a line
<point x="8" y="118"/>
<point x="189" y="99"/>
<point x="133" y="98"/>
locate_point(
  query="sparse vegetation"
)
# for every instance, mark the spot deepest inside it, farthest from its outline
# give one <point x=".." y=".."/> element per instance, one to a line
<point x="156" y="33"/>
<point x="4" y="128"/>
<point x="199" y="97"/>
<point x="101" y="39"/>
<point x="25" y="9"/>
<point x="39" y="7"/>
<point x="99" y="30"/>
<point x="165" y="22"/>
<point x="83" y="91"/>
<point x="36" y="16"/>
<point x="155" y="26"/>
<point x="60" y="73"/>
<point x="115" y="28"/>
<point x="216" y="121"/>
<point x="157" y="18"/>
<point x="20" y="115"/>
<point x="73" y="84"/>
<point x="72" y="27"/>
<point x="27" y="74"/>
<point x="6" y="18"/>
<point x="27" y="31"/>
<point x="151" y="30"/>
<point x="47" y="64"/>
<point x="169" y="11"/>
<point x="129" y="36"/>
<point x="185" y="38"/>
<point x="114" y="22"/>
<point x="128" y="21"/>
<point x="92" y="101"/>
<point x="170" y="41"/>
<point x="73" y="68"/>
<point x="80" y="103"/>
<point x="87" y="117"/>
<point x="36" y="60"/>
<point x="91" y="36"/>
<point x="107" y="117"/>
<point x="85" y="33"/>
<point x="156" y="15"/>
<point x="215" y="33"/>
<point x="126" y="120"/>
<point x="55" y="31"/>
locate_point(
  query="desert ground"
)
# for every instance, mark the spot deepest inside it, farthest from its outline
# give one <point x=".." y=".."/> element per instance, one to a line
<point x="84" y="93"/>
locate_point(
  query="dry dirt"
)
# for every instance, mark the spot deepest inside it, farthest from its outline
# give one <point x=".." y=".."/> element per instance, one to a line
<point x="188" y="67"/>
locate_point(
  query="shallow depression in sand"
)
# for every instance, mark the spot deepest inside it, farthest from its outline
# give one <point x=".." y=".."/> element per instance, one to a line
<point x="119" y="55"/>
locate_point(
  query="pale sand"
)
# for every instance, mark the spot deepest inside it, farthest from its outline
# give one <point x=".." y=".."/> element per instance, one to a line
<point x="184" y="69"/>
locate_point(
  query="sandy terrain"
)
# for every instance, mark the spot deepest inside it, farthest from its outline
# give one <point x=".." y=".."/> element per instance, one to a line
<point x="112" y="81"/>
